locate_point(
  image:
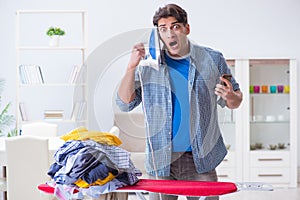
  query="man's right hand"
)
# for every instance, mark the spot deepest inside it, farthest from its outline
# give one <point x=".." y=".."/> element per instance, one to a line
<point x="126" y="90"/>
<point x="137" y="53"/>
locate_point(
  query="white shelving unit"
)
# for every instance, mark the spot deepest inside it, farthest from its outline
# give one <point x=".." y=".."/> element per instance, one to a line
<point x="271" y="119"/>
<point x="263" y="119"/>
<point x="56" y="92"/>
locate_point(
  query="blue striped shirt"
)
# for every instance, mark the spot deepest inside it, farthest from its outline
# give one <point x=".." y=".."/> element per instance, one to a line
<point x="206" y="66"/>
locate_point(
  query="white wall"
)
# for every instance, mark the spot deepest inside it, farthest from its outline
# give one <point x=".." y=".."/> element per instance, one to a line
<point x="238" y="28"/>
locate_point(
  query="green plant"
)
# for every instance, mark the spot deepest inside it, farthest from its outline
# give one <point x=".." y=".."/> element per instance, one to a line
<point x="6" y="120"/>
<point x="12" y="133"/>
<point x="55" y="31"/>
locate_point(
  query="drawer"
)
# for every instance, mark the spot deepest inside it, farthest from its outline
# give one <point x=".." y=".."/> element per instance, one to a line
<point x="229" y="160"/>
<point x="270" y="175"/>
<point x="269" y="159"/>
<point x="226" y="174"/>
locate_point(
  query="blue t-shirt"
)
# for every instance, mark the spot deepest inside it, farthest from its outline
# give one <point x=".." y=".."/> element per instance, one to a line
<point x="178" y="71"/>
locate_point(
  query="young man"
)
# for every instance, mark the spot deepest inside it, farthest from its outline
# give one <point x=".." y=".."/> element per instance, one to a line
<point x="180" y="101"/>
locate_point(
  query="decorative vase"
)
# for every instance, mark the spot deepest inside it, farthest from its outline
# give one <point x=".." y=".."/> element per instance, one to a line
<point x="54" y="41"/>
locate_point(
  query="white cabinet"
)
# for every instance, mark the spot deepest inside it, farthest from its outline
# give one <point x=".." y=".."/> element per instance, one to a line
<point x="51" y="80"/>
<point x="265" y="126"/>
<point x="271" y="132"/>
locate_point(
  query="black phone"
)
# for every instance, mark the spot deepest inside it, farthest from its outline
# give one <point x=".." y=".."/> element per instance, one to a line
<point x="226" y="76"/>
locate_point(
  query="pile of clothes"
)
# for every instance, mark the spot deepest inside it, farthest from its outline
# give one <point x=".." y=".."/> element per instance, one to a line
<point x="92" y="163"/>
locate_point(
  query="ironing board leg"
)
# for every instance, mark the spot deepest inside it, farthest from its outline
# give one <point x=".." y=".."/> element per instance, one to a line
<point x="121" y="196"/>
<point x="114" y="196"/>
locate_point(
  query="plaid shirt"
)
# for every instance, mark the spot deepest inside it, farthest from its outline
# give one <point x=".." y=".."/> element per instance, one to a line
<point x="206" y="66"/>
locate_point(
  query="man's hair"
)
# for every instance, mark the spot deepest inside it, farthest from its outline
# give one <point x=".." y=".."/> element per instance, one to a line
<point x="170" y="10"/>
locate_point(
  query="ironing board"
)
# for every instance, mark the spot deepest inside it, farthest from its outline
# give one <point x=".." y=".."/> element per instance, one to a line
<point x="181" y="187"/>
<point x="186" y="188"/>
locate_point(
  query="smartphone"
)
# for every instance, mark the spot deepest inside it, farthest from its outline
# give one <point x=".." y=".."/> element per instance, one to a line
<point x="226" y="76"/>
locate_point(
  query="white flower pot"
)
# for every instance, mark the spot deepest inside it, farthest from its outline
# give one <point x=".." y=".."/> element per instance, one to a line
<point x="54" y="41"/>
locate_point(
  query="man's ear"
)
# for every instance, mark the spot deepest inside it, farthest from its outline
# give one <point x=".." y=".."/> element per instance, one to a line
<point x="187" y="29"/>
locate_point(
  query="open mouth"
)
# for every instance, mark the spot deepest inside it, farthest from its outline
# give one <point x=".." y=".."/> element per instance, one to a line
<point x="172" y="43"/>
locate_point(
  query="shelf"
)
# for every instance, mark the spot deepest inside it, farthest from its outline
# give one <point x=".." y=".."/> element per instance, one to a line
<point x="54" y="85"/>
<point x="59" y="121"/>
<point x="52" y="48"/>
<point x="269" y="122"/>
<point x="65" y="121"/>
<point x="264" y="150"/>
<point x="268" y="94"/>
<point x="49" y="11"/>
<point x="58" y="76"/>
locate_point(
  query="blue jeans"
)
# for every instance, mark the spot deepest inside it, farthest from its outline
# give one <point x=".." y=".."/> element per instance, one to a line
<point x="183" y="168"/>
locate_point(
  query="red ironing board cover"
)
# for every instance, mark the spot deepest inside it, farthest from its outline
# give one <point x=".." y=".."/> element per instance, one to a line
<point x="175" y="187"/>
<point x="46" y="188"/>
<point x="185" y="188"/>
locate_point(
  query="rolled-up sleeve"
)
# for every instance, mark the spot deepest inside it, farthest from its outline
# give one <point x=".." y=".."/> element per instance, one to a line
<point x="126" y="107"/>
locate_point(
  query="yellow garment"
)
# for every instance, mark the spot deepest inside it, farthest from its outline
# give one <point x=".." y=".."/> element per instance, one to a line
<point x="82" y="184"/>
<point x="82" y="133"/>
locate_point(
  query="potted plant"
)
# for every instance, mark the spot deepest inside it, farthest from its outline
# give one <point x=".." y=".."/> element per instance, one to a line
<point x="55" y="33"/>
<point x="6" y="120"/>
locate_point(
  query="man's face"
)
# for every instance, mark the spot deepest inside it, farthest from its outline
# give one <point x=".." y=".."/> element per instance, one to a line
<point x="174" y="36"/>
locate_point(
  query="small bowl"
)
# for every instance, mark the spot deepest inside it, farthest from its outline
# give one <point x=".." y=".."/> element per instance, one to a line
<point x="258" y="145"/>
<point x="281" y="146"/>
<point x="272" y="147"/>
<point x="252" y="147"/>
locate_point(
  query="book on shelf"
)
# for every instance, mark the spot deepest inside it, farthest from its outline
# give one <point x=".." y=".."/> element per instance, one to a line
<point x="23" y="111"/>
<point x="78" y="110"/>
<point x="31" y="74"/>
<point x="81" y="110"/>
<point x="41" y="78"/>
<point x="75" y="74"/>
<point x="53" y="114"/>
